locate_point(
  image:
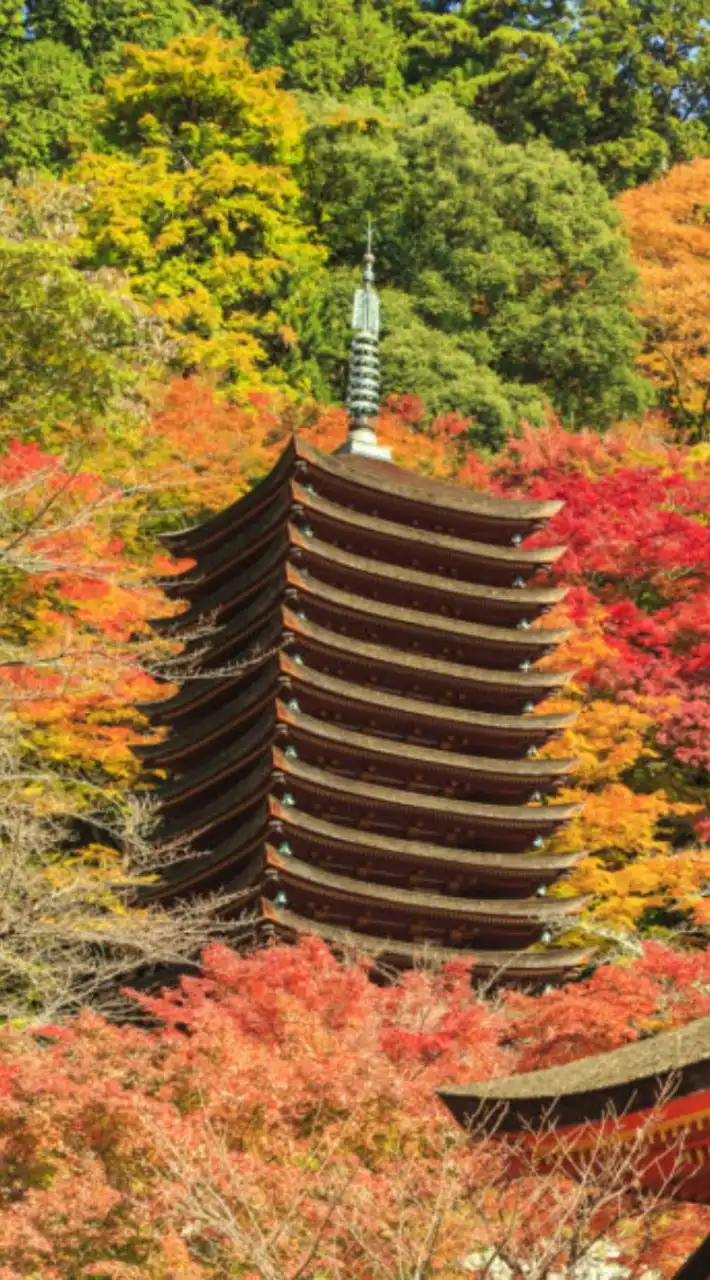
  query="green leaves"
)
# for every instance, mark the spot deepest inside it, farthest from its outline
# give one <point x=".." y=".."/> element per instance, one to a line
<point x="518" y="281"/>
<point x="195" y="199"/>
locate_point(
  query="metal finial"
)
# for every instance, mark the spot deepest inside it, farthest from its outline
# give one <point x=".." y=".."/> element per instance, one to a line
<point x="364" y="383"/>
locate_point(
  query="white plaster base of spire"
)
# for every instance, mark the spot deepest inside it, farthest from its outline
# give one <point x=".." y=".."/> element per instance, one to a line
<point x="362" y="442"/>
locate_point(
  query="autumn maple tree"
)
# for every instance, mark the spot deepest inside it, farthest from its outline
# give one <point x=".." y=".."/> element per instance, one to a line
<point x="280" y="1115"/>
<point x="669" y="225"/>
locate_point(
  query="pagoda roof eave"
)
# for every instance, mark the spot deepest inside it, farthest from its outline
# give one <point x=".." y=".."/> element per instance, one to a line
<point x="254" y="786"/>
<point x="516" y="643"/>
<point x="246" y="882"/>
<point x="530" y="770"/>
<point x="252" y="697"/>
<point x="630" y="1077"/>
<point x="456" y="588"/>
<point x="387" y="478"/>
<point x="537" y="727"/>
<point x="267" y="611"/>
<point x="520" y="817"/>
<point x="535" y="865"/>
<point x="243" y="848"/>
<point x="656" y="1055"/>
<point x="416" y="620"/>
<point x="182" y="586"/>
<point x="187" y="542"/>
<point x="515" y="965"/>
<point x="238" y="752"/>
<point x="508" y="558"/>
<point x="536" y="910"/>
<point x="256" y="574"/>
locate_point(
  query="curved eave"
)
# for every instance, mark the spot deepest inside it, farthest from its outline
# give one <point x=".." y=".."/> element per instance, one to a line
<point x="246" y="884"/>
<point x="207" y="534"/>
<point x="630" y="1075"/>
<point x="532" y="728"/>
<point x="359" y="474"/>
<point x="237" y="756"/>
<point x="485" y="767"/>
<point x="514" y="646"/>
<point x="510" y="965"/>
<point x="257" y="573"/>
<point x="367" y="613"/>
<point x="246" y="543"/>
<point x="520" y="817"/>
<point x="260" y="632"/>
<point x="240" y="848"/>
<point x="513" y="601"/>
<point x="364" y="893"/>
<point x="502" y="560"/>
<point x="253" y="787"/>
<point x="250" y="701"/>
<point x="198" y="691"/>
<point x="330" y="835"/>
<point x="526" y="773"/>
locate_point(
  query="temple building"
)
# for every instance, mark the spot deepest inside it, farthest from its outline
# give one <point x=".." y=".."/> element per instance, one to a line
<point x="364" y="762"/>
<point x="659" y="1086"/>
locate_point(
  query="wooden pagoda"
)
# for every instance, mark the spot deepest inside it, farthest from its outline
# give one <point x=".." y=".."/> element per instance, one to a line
<point x="363" y="759"/>
<point x="661" y="1083"/>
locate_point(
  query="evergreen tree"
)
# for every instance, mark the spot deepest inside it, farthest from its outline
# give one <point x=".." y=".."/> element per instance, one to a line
<point x="624" y="86"/>
<point x="506" y="281"/>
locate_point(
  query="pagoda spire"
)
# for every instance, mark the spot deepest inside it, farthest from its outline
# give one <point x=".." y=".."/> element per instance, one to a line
<point x="363" y="400"/>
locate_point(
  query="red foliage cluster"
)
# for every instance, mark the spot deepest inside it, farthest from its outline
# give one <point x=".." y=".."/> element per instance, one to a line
<point x="635" y="524"/>
<point x="284" y="1109"/>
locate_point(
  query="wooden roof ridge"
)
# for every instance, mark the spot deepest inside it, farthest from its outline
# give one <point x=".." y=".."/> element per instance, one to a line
<point x="531" y="770"/>
<point x="514" y="558"/>
<point x="412" y="660"/>
<point x="538" y="910"/>
<point x="251" y="697"/>
<point x="199" y="536"/>
<point x="253" y="786"/>
<point x="390" y="479"/>
<point x="393" y="846"/>
<point x="652" y="1056"/>
<point x="237" y="754"/>
<point x="628" y="1076"/>
<point x="248" y="876"/>
<point x="522" y="963"/>
<point x="254" y="575"/>
<point x="505" y="815"/>
<point x="206" y="685"/>
<point x="244" y="543"/>
<point x="458" y="588"/>
<point x="416" y="620"/>
<point x="242" y="843"/>
<point x="534" y="725"/>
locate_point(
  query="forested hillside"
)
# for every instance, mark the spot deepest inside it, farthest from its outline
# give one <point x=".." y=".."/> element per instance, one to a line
<point x="184" y="191"/>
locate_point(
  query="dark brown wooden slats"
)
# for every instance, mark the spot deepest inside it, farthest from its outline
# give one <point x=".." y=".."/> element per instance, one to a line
<point x="381" y="489"/>
<point x="409" y="547"/>
<point x="512" y="966"/>
<point x="415" y="862"/>
<point x="364" y="708"/>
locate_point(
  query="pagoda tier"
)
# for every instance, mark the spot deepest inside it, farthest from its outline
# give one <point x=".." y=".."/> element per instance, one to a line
<point x="355" y="748"/>
<point x="659" y="1086"/>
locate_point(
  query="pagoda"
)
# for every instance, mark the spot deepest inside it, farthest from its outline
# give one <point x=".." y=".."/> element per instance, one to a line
<point x="363" y="763"/>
